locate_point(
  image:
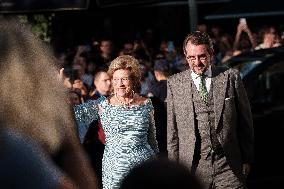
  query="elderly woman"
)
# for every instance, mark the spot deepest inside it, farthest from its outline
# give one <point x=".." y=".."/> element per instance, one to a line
<point x="127" y="120"/>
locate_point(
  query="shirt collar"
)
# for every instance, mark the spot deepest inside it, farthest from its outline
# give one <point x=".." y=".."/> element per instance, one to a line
<point x="208" y="73"/>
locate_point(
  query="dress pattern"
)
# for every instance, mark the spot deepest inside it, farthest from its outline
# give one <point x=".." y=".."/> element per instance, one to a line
<point x="130" y="136"/>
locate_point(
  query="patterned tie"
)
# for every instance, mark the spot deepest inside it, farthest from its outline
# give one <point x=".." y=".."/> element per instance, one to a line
<point x="202" y="89"/>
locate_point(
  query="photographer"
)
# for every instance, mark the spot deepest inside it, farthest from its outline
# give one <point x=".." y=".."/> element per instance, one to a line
<point x="73" y="82"/>
<point x="243" y="42"/>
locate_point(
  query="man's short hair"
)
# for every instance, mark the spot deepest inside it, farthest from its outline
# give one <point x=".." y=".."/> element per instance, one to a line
<point x="99" y="71"/>
<point x="198" y="38"/>
<point x="161" y="65"/>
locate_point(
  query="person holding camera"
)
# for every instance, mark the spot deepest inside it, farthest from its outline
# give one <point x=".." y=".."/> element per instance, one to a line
<point x="244" y="39"/>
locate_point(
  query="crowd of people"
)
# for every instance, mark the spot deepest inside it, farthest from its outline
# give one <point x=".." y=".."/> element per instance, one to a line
<point x="112" y="115"/>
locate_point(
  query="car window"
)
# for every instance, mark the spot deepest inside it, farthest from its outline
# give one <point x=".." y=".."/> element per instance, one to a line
<point x="246" y="66"/>
<point x="267" y="87"/>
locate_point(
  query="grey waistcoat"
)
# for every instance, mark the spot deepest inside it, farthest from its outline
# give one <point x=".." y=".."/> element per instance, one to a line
<point x="205" y="119"/>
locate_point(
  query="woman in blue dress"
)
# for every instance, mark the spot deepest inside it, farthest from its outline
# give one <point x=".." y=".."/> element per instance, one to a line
<point x="127" y="120"/>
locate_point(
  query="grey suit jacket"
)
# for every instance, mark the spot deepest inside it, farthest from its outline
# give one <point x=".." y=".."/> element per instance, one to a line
<point x="233" y="119"/>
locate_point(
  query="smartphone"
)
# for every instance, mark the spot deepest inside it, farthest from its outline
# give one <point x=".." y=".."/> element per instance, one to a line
<point x="243" y="21"/>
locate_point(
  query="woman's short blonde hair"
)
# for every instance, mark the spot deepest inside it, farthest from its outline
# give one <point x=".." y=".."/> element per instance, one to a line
<point x="130" y="63"/>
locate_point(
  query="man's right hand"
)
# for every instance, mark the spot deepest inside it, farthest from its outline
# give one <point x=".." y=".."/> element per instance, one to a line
<point x="78" y="84"/>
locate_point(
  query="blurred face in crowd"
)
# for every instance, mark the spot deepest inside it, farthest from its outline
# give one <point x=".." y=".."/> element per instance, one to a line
<point x="80" y="70"/>
<point x="106" y="47"/>
<point x="202" y="27"/>
<point x="102" y="83"/>
<point x="198" y="57"/>
<point x="163" y="46"/>
<point x="122" y="84"/>
<point x="129" y="47"/>
<point x="271" y="35"/>
<point x="215" y="31"/>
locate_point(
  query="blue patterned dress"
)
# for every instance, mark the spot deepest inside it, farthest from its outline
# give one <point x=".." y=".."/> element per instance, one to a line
<point x="130" y="136"/>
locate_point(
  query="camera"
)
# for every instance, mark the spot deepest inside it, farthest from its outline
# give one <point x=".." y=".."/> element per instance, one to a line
<point x="72" y="74"/>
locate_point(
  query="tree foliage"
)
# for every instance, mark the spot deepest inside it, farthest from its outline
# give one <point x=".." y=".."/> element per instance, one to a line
<point x="40" y="24"/>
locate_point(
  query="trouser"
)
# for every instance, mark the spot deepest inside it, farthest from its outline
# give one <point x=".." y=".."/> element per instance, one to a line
<point x="214" y="172"/>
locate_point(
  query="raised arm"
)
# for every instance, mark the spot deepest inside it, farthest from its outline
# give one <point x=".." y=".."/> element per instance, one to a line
<point x="88" y="112"/>
<point x="243" y="28"/>
<point x="237" y="37"/>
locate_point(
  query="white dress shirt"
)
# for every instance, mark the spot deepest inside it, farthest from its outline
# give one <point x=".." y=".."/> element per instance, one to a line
<point x="197" y="79"/>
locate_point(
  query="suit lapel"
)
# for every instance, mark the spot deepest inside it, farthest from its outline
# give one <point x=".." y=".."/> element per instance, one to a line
<point x="188" y="82"/>
<point x="219" y="81"/>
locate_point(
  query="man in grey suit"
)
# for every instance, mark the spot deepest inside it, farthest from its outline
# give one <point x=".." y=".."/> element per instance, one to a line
<point x="209" y="118"/>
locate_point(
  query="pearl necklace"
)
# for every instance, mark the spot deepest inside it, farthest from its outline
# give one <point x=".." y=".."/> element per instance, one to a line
<point x="125" y="103"/>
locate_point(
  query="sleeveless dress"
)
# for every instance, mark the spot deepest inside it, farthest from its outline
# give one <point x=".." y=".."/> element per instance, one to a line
<point x="130" y="136"/>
